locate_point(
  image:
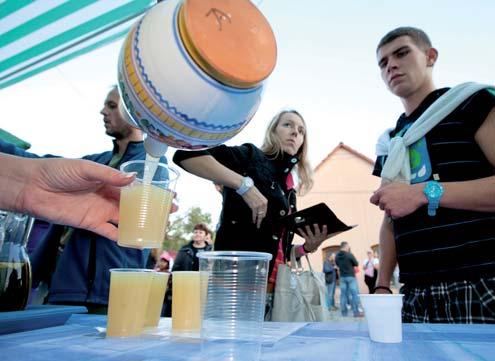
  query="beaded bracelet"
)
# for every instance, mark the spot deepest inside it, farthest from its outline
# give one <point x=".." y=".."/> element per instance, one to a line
<point x="382" y="288"/>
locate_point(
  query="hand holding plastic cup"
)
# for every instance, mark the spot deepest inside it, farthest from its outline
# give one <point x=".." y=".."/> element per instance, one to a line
<point x="384" y="317"/>
<point x="129" y="290"/>
<point x="145" y="205"/>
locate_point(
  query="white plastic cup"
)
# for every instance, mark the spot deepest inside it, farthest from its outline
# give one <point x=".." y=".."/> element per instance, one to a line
<point x="233" y="293"/>
<point x="384" y="316"/>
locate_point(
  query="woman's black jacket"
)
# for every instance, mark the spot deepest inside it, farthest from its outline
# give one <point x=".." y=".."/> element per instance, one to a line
<point x="237" y="230"/>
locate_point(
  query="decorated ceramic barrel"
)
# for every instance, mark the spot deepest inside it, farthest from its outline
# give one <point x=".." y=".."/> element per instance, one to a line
<point x="191" y="72"/>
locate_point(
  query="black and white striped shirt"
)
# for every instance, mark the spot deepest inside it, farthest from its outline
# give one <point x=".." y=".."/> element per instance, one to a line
<point x="454" y="244"/>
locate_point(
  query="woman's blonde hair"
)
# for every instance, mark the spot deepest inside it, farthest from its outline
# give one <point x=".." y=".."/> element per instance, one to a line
<point x="272" y="147"/>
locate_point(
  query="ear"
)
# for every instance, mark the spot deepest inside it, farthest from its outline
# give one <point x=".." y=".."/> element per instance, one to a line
<point x="431" y="56"/>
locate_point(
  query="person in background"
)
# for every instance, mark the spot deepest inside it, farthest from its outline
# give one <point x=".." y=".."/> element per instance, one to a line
<point x="187" y="259"/>
<point x="330" y="271"/>
<point x="80" y="273"/>
<point x="370" y="268"/>
<point x="165" y="262"/>
<point x="346" y="262"/>
<point x="438" y="188"/>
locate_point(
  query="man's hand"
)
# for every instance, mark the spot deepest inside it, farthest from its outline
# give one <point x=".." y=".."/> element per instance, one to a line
<point x="399" y="199"/>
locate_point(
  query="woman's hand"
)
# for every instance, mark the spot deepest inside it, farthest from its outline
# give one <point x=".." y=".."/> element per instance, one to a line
<point x="77" y="193"/>
<point x="258" y="204"/>
<point x="313" y="240"/>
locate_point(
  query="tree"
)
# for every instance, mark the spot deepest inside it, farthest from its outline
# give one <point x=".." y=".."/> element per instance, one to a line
<point x="179" y="231"/>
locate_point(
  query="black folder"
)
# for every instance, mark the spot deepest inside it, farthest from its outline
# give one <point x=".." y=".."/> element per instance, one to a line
<point x="319" y="214"/>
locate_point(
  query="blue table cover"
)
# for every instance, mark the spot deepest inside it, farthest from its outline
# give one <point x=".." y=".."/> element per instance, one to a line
<point x="80" y="339"/>
<point x="35" y="317"/>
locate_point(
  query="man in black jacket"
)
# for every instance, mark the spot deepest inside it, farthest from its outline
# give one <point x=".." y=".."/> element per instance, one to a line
<point x="346" y="262"/>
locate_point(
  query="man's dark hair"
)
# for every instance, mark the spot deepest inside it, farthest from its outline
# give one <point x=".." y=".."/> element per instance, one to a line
<point x="344" y="244"/>
<point x="202" y="227"/>
<point x="418" y="36"/>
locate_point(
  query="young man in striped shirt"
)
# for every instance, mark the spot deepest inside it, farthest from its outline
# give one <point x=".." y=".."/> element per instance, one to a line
<point x="440" y="225"/>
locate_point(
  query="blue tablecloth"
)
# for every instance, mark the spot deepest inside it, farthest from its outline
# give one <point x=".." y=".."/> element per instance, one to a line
<point x="80" y="339"/>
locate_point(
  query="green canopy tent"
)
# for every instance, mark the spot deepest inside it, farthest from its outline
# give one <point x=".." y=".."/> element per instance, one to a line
<point x="39" y="35"/>
<point x="11" y="138"/>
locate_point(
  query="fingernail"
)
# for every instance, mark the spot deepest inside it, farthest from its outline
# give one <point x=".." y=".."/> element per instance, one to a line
<point x="130" y="175"/>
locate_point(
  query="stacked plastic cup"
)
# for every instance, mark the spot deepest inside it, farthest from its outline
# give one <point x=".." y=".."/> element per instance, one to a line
<point x="233" y="294"/>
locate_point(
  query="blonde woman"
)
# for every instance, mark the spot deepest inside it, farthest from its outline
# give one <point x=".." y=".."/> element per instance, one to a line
<point x="259" y="187"/>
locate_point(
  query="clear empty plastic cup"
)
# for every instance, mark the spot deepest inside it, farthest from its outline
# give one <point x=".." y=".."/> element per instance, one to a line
<point x="383" y="315"/>
<point x="233" y="294"/>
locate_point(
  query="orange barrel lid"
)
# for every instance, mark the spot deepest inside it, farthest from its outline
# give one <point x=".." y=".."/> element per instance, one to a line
<point x="230" y="40"/>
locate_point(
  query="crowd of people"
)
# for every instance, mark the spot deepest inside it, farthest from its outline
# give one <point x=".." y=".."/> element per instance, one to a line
<point x="437" y="194"/>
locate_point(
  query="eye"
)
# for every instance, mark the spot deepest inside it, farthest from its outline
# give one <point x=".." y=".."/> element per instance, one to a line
<point x="402" y="53"/>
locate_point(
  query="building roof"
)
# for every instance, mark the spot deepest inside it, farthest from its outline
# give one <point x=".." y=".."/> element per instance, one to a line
<point x="341" y="145"/>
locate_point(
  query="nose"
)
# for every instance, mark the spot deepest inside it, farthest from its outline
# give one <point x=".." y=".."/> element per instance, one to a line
<point x="392" y="64"/>
<point x="293" y="131"/>
<point x="103" y="111"/>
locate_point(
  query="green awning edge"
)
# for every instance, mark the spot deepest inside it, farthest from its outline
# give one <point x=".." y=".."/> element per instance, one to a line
<point x="65" y="58"/>
<point x="92" y="25"/>
<point x="11" y="138"/>
<point x="10" y="7"/>
<point x="42" y="20"/>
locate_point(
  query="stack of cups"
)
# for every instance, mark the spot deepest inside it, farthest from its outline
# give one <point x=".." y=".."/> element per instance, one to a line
<point x="233" y="294"/>
<point x="135" y="301"/>
<point x="383" y="314"/>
